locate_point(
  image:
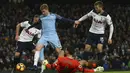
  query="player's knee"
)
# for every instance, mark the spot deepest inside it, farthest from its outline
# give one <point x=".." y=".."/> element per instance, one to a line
<point x="87" y="47"/>
<point x="61" y="54"/>
<point x="100" y="46"/>
<point x="17" y="54"/>
<point x="39" y="47"/>
<point x="83" y="62"/>
<point x="58" y="50"/>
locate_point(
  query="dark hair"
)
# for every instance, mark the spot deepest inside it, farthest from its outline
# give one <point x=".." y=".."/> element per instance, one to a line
<point x="36" y="15"/>
<point x="100" y="3"/>
<point x="70" y="49"/>
<point x="36" y="25"/>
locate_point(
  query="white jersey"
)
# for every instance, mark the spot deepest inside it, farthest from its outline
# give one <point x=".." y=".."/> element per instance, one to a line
<point x="28" y="35"/>
<point x="98" y="22"/>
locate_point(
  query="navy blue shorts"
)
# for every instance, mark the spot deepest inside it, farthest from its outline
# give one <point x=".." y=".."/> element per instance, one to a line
<point x="95" y="39"/>
<point x="22" y="46"/>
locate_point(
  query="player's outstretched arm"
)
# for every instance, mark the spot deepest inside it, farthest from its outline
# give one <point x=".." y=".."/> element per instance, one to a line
<point x="22" y="24"/>
<point x="50" y="66"/>
<point x="84" y="70"/>
<point x="82" y="19"/>
<point x="54" y="65"/>
<point x="110" y="34"/>
<point x="109" y="22"/>
<point x="58" y="17"/>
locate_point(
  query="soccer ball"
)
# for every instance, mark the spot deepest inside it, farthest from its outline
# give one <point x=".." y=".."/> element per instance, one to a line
<point x="20" y="67"/>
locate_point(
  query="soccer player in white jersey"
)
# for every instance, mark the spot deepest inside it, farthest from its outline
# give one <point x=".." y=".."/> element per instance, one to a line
<point x="96" y="32"/>
<point x="25" y="38"/>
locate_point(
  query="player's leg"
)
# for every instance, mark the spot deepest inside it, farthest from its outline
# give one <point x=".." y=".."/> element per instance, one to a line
<point x="41" y="43"/>
<point x="98" y="69"/>
<point x="100" y="48"/>
<point x="87" y="52"/>
<point x="83" y="62"/>
<point x="19" y="49"/>
<point x="16" y="58"/>
<point x="42" y="59"/>
<point x="57" y="46"/>
<point x="16" y="61"/>
<point x="37" y="53"/>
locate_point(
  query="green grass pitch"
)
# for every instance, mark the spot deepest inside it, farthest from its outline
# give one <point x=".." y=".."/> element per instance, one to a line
<point x="112" y="72"/>
<point x="51" y="71"/>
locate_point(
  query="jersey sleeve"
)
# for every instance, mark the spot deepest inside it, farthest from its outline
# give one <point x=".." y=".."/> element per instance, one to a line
<point x="108" y="20"/>
<point x="86" y="16"/>
<point x="84" y="70"/>
<point x="58" y="17"/>
<point x="54" y="65"/>
<point x="80" y="68"/>
<point x="39" y="34"/>
<point x="24" y="24"/>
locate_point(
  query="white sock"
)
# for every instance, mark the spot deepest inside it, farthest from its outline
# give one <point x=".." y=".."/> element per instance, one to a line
<point x="36" y="57"/>
<point x="42" y="59"/>
<point x="42" y="68"/>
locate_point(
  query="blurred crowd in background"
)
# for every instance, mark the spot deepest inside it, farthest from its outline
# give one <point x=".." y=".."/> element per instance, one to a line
<point x="116" y="56"/>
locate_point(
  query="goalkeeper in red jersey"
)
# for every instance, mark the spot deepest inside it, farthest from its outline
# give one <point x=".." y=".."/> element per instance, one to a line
<point x="68" y="64"/>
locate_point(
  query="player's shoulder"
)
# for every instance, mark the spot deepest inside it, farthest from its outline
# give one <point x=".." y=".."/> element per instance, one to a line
<point x="53" y="14"/>
<point x="25" y="22"/>
<point x="60" y="58"/>
<point x="103" y="14"/>
<point x="76" y="61"/>
<point x="63" y="58"/>
<point x="41" y="16"/>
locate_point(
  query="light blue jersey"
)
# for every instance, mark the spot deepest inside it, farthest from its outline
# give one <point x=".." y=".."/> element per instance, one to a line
<point x="48" y="24"/>
<point x="49" y="34"/>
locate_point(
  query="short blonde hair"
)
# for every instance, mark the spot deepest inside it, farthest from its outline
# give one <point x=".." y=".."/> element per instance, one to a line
<point x="44" y="6"/>
<point x="100" y="3"/>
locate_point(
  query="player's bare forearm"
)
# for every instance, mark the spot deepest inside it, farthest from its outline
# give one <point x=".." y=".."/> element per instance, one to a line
<point x="61" y="53"/>
<point x="111" y="31"/>
<point x="83" y="18"/>
<point x="18" y="29"/>
<point x="84" y="70"/>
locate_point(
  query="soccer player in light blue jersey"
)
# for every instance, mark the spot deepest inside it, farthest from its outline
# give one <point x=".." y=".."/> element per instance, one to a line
<point x="49" y="34"/>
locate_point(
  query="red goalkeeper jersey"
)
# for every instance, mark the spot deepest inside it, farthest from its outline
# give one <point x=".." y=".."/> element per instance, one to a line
<point x="67" y="65"/>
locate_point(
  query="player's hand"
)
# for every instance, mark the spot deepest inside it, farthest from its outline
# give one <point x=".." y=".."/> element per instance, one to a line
<point x="16" y="37"/>
<point x="76" y="24"/>
<point x="109" y="41"/>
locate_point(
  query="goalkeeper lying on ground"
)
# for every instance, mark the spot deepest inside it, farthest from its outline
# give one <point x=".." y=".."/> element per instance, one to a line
<point x="68" y="64"/>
